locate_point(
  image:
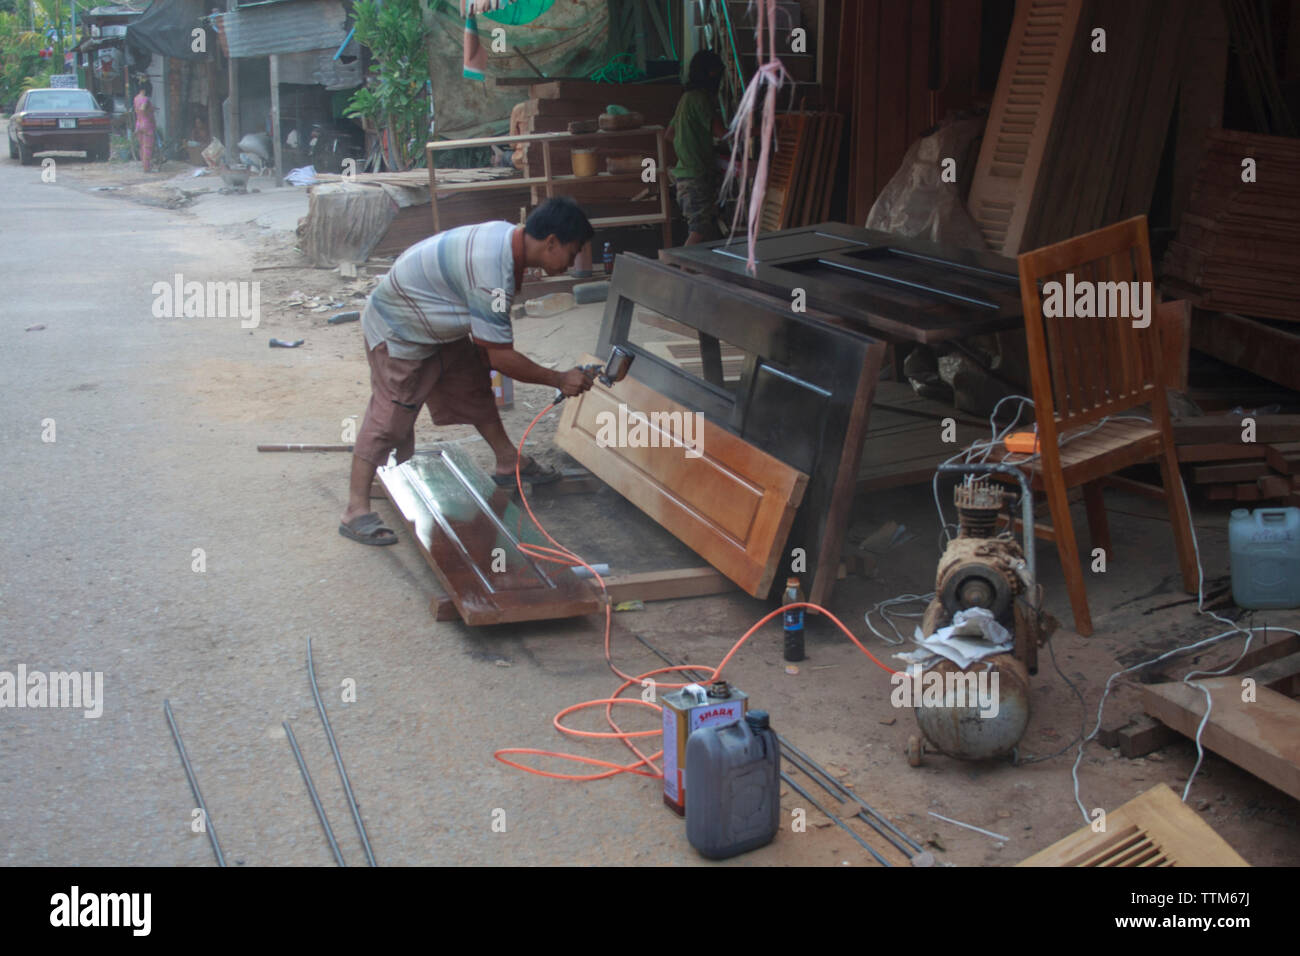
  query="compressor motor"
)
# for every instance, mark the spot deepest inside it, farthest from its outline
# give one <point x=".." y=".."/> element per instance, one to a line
<point x="983" y="568"/>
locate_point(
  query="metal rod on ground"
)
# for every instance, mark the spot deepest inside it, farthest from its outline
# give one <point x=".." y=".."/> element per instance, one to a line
<point x="893" y="841"/>
<point x="848" y="793"/>
<point x="813" y="772"/>
<point x="315" y="800"/>
<point x="836" y="820"/>
<point x="194" y="784"/>
<point x="338" y="759"/>
<point x="297" y="446"/>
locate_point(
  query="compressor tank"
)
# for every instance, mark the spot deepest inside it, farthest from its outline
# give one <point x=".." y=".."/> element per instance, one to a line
<point x="972" y="731"/>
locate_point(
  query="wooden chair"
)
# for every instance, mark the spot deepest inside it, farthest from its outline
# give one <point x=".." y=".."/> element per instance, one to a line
<point x="1085" y="370"/>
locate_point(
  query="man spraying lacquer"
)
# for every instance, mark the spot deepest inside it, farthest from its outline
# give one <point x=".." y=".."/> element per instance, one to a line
<point x="434" y="328"/>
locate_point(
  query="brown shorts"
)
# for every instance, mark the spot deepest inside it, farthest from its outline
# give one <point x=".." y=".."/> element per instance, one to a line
<point x="455" y="382"/>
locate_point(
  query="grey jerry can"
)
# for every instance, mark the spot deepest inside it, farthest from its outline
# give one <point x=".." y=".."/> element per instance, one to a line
<point x="733" y="803"/>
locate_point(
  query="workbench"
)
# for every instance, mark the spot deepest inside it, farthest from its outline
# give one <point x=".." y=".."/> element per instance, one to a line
<point x="900" y="290"/>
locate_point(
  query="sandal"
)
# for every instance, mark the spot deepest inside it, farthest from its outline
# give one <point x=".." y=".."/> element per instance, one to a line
<point x="534" y="473"/>
<point x="368" y="528"/>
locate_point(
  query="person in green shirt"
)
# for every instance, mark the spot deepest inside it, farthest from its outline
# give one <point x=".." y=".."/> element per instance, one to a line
<point x="694" y="127"/>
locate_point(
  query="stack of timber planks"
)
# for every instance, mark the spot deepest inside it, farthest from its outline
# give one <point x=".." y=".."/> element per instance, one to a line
<point x="802" y="172"/>
<point x="1075" y="135"/>
<point x="1227" y="468"/>
<point x="1238" y="245"/>
<point x="551" y="106"/>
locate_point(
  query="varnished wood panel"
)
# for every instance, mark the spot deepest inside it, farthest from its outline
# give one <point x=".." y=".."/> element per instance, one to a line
<point x="733" y="504"/>
<point x="459" y="518"/>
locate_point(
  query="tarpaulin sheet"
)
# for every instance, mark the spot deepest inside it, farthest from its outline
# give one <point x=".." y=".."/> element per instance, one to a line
<point x="563" y="39"/>
<point x="167" y="28"/>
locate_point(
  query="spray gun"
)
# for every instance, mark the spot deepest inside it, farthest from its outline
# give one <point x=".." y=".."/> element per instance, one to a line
<point x="614" y="370"/>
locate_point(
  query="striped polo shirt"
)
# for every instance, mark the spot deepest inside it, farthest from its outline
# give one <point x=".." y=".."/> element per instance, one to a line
<point x="459" y="282"/>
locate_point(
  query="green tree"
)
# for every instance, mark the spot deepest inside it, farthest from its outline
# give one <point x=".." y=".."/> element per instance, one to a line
<point x="21" y="66"/>
<point x="395" y="93"/>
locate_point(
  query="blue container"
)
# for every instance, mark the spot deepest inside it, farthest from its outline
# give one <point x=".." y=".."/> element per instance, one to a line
<point x="1264" y="545"/>
<point x="733" y="802"/>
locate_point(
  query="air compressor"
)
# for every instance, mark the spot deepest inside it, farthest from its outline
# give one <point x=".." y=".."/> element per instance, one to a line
<point x="983" y="567"/>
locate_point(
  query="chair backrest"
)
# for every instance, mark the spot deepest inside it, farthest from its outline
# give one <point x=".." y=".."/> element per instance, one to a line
<point x="1081" y="299"/>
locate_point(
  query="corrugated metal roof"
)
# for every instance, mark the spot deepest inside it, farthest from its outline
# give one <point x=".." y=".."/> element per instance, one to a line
<point x="291" y="27"/>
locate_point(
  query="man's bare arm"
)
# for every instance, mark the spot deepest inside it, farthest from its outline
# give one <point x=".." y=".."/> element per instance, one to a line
<point x="521" y="368"/>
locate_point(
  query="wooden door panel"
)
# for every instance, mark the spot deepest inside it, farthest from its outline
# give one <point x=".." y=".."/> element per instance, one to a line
<point x="465" y="527"/>
<point x="733" y="504"/>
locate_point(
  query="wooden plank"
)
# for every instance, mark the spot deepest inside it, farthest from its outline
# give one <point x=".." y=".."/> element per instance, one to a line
<point x="668" y="585"/>
<point x="1157" y="817"/>
<point x="1281" y="675"/>
<point x="463" y="525"/>
<point x="1273" y="486"/>
<point x="1284" y="457"/>
<point x="1143" y="736"/>
<point x="863" y="172"/>
<point x="1262" y="737"/>
<point x="1260" y="349"/>
<point x="1229" y="472"/>
<point x="1224" y="451"/>
<point x="1228" y="428"/>
<point x="891" y="114"/>
<point x="1173" y="321"/>
<point x="730" y="502"/>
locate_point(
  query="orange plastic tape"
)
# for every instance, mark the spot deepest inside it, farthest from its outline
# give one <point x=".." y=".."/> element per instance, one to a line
<point x="1021" y="443"/>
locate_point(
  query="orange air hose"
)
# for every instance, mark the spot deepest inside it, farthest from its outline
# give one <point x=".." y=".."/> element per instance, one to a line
<point x="559" y="554"/>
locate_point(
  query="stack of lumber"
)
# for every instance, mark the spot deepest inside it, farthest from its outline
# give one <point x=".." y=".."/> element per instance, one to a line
<point x="1075" y="136"/>
<point x="802" y="172"/>
<point x="1238" y="245"/>
<point x="1227" y="468"/>
<point x="551" y="106"/>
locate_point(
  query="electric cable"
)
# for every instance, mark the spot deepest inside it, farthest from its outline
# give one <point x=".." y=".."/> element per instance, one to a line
<point x="1235" y="630"/>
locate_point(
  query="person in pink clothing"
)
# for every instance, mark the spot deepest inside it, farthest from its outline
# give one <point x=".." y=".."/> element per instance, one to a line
<point x="144" y="124"/>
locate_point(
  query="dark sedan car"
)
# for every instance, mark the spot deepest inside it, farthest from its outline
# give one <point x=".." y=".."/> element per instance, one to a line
<point x="58" y="120"/>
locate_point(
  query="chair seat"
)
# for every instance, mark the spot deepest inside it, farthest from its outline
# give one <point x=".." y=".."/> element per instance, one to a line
<point x="1090" y="454"/>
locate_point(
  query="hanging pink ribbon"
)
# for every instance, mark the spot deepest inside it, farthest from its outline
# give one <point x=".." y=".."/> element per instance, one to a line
<point x="770" y="76"/>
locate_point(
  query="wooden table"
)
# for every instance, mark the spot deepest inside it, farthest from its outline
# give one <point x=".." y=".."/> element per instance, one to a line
<point x="900" y="290"/>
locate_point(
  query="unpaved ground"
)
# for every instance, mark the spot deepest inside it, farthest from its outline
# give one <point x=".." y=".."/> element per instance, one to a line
<point x="162" y="417"/>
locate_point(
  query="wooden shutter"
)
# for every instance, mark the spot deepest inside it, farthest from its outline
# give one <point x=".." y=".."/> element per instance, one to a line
<point x="1153" y="829"/>
<point x="1020" y="121"/>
